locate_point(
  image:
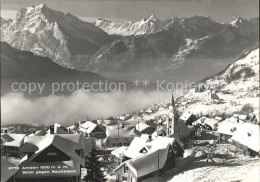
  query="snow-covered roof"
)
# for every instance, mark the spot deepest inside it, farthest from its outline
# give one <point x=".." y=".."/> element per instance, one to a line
<point x="37" y="144"/>
<point x="228" y="128"/>
<point x="185" y="116"/>
<point x="119" y="152"/>
<point x="88" y="127"/>
<point x="240" y="116"/>
<point x="147" y="163"/>
<point x="155" y="143"/>
<point x="58" y="129"/>
<point x="248" y="135"/>
<point x="136" y="145"/>
<point x="209" y="121"/>
<point x="126" y="131"/>
<point x="12" y="140"/>
<point x="141" y="126"/>
<point x="37" y="133"/>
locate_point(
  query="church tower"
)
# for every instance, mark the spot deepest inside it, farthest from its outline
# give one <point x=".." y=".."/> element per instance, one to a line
<point x="172" y="120"/>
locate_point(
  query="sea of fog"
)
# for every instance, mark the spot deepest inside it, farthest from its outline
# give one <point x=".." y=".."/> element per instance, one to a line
<point x="66" y="110"/>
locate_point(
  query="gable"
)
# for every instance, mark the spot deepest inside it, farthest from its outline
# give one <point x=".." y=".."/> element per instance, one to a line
<point x="97" y="129"/>
<point x="51" y="154"/>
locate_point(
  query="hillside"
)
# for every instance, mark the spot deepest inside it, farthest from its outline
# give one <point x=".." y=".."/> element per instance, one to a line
<point x="22" y="66"/>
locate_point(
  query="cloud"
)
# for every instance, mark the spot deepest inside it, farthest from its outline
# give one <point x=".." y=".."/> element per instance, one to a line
<point x="78" y="106"/>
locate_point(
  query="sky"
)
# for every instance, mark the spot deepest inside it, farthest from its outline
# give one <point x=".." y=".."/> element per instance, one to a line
<point x="133" y="10"/>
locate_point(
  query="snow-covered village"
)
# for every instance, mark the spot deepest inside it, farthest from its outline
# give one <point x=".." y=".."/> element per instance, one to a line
<point x="205" y="135"/>
<point x="207" y="131"/>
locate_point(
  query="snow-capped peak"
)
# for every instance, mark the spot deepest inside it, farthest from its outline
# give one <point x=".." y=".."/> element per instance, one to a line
<point x="152" y="17"/>
<point x="144" y="26"/>
<point x="236" y="22"/>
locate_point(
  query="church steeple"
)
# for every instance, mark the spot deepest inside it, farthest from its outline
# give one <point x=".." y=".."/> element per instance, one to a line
<point x="173" y="103"/>
<point x="172" y="120"/>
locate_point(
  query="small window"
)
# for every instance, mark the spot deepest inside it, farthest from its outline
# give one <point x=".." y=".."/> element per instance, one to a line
<point x="125" y="169"/>
<point x="52" y="154"/>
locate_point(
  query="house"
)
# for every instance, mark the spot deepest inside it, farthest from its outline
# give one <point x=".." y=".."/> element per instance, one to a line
<point x="57" y="129"/>
<point x="147" y="157"/>
<point x="207" y="123"/>
<point x="227" y="128"/>
<point x="211" y="95"/>
<point x="188" y="118"/>
<point x="53" y="158"/>
<point x="248" y="137"/>
<point x="12" y="144"/>
<point x="120" y="135"/>
<point x="92" y="129"/>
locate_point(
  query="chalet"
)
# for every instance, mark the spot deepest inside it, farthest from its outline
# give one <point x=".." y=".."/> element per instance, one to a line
<point x="53" y="158"/>
<point x="227" y="128"/>
<point x="92" y="129"/>
<point x="207" y="123"/>
<point x="12" y="144"/>
<point x="188" y="118"/>
<point x="147" y="157"/>
<point x="120" y="135"/>
<point x="57" y="129"/>
<point x="247" y="137"/>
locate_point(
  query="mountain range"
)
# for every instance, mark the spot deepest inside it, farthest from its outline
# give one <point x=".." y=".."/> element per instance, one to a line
<point x="145" y="26"/>
<point x="173" y="46"/>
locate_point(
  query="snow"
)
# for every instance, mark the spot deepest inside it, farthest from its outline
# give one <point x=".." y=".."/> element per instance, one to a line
<point x="144" y="26"/>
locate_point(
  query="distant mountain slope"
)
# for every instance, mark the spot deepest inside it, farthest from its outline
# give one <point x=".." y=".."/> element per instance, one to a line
<point x="179" y="43"/>
<point x="62" y="37"/>
<point x="243" y="73"/>
<point x="22" y="66"/>
<point x="145" y="26"/>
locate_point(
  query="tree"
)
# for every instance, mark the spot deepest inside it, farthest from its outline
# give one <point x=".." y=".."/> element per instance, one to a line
<point x="93" y="165"/>
<point x="247" y="109"/>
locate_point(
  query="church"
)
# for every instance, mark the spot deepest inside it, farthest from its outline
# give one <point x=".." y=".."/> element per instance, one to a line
<point x="176" y="128"/>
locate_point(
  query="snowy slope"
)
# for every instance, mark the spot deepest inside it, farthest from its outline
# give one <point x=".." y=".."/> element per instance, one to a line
<point x="242" y="74"/>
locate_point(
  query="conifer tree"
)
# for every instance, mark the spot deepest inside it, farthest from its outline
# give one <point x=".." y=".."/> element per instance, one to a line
<point x="94" y="171"/>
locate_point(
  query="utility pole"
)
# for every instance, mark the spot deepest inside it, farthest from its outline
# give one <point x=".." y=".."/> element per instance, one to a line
<point x="138" y="124"/>
<point x="118" y="133"/>
<point x="158" y="168"/>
